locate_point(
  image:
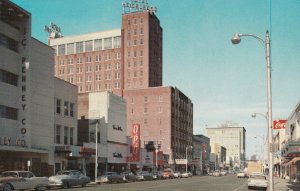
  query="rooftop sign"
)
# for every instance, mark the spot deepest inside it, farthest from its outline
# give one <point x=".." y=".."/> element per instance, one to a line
<point x="138" y="6"/>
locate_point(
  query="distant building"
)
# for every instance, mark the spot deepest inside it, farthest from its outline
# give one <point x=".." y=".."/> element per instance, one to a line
<point x="201" y="154"/>
<point x="233" y="139"/>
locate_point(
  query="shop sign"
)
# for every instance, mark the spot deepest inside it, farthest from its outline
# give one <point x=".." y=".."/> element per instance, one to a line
<point x="181" y="161"/>
<point x="8" y="141"/>
<point x="279" y="124"/>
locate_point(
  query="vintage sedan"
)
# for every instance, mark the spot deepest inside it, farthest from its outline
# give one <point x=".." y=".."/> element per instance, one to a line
<point x="257" y="181"/>
<point x="68" y="178"/>
<point x="22" y="180"/>
<point x="129" y="176"/>
<point x="110" y="177"/>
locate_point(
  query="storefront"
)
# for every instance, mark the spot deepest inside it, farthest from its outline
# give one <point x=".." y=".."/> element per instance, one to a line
<point x="18" y="158"/>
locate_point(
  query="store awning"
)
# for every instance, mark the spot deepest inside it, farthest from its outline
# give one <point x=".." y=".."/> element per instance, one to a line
<point x="22" y="149"/>
<point x="293" y="160"/>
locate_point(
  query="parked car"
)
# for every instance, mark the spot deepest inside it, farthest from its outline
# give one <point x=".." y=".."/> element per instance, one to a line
<point x="68" y="178"/>
<point x="241" y="175"/>
<point x="216" y="173"/>
<point x="158" y="174"/>
<point x="129" y="176"/>
<point x="257" y="181"/>
<point x="168" y="173"/>
<point x="140" y="176"/>
<point x="224" y="173"/>
<point x="111" y="177"/>
<point x="184" y="175"/>
<point x="22" y="180"/>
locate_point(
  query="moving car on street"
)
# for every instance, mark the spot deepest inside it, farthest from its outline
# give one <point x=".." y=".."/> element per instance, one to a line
<point x="257" y="181"/>
<point x="168" y="173"/>
<point x="241" y="175"/>
<point x="22" y="180"/>
<point x="68" y="178"/>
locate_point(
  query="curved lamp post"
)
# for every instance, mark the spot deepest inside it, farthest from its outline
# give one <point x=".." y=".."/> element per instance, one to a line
<point x="236" y="40"/>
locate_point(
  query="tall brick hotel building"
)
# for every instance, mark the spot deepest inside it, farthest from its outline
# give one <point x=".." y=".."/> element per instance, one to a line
<point x="128" y="62"/>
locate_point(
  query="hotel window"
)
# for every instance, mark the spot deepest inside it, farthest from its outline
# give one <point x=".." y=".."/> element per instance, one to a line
<point x="128" y="63"/>
<point x="117" y="85"/>
<point x="88" y="59"/>
<point x="71" y="109"/>
<point x="107" y="43"/>
<point x="98" y="77"/>
<point x="134" y="42"/>
<point x="98" y="58"/>
<point x="141" y="20"/>
<point x="160" y="98"/>
<point x="128" y="22"/>
<point x="70" y="48"/>
<point x="117" y="42"/>
<point x="128" y="53"/>
<point x="145" y="121"/>
<point x="79" y="47"/>
<point x="141" y="53"/>
<point x="79" y="88"/>
<point x="141" y="31"/>
<point x="88" y="46"/>
<point x="146" y="99"/>
<point x="9" y="78"/>
<point x="98" y="87"/>
<point x="8" y="112"/>
<point x="117" y="75"/>
<point x="65" y="135"/>
<point x="89" y="79"/>
<point x="134" y="74"/>
<point x="71" y="135"/>
<point x="66" y="108"/>
<point x="58" y="106"/>
<point x="79" y="60"/>
<point x="128" y="32"/>
<point x="89" y="69"/>
<point x="134" y="53"/>
<point x="61" y="49"/>
<point x="141" y="73"/>
<point x="98" y="44"/>
<point x="134" y="31"/>
<point x="145" y="110"/>
<point x="134" y="21"/>
<point x="57" y="134"/>
<point x="141" y="41"/>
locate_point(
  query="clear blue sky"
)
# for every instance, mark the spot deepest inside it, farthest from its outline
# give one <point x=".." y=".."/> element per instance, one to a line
<point x="225" y="82"/>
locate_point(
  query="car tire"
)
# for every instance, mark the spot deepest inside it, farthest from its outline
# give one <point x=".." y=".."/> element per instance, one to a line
<point x="65" y="185"/>
<point x="7" y="187"/>
<point x="83" y="185"/>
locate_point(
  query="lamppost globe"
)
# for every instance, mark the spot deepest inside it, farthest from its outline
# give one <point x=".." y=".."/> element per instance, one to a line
<point x="236" y="39"/>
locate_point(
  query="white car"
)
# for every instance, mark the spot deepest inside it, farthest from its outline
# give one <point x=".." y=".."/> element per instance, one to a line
<point x="216" y="173"/>
<point x="257" y="181"/>
<point x="241" y="175"/>
<point x="22" y="180"/>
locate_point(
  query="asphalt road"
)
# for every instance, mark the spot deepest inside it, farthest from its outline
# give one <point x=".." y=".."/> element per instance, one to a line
<point x="196" y="183"/>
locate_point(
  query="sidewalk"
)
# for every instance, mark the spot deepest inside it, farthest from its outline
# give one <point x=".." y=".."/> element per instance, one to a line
<point x="285" y="185"/>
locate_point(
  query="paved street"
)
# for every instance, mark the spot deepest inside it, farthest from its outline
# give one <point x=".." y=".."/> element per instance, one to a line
<point x="196" y="183"/>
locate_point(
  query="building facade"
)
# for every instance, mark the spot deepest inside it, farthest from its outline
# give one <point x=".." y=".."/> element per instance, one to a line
<point x="201" y="154"/>
<point x="27" y="106"/>
<point x="290" y="145"/>
<point x="233" y="139"/>
<point x="165" y="115"/>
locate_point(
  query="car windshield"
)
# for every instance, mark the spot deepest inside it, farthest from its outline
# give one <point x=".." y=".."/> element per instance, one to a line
<point x="63" y="173"/>
<point x="258" y="177"/>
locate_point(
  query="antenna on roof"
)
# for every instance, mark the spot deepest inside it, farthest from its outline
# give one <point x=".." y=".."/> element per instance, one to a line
<point x="53" y="30"/>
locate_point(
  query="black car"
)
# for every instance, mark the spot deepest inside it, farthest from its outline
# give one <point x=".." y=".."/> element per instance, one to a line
<point x="129" y="176"/>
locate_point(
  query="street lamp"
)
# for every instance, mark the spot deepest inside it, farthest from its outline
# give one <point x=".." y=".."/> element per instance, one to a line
<point x="236" y="40"/>
<point x="186" y="156"/>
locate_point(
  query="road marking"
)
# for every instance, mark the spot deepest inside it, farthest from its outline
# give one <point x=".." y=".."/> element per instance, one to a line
<point x="240" y="187"/>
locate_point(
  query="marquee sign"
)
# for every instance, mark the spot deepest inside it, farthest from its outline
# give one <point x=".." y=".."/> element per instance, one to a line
<point x="138" y="6"/>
